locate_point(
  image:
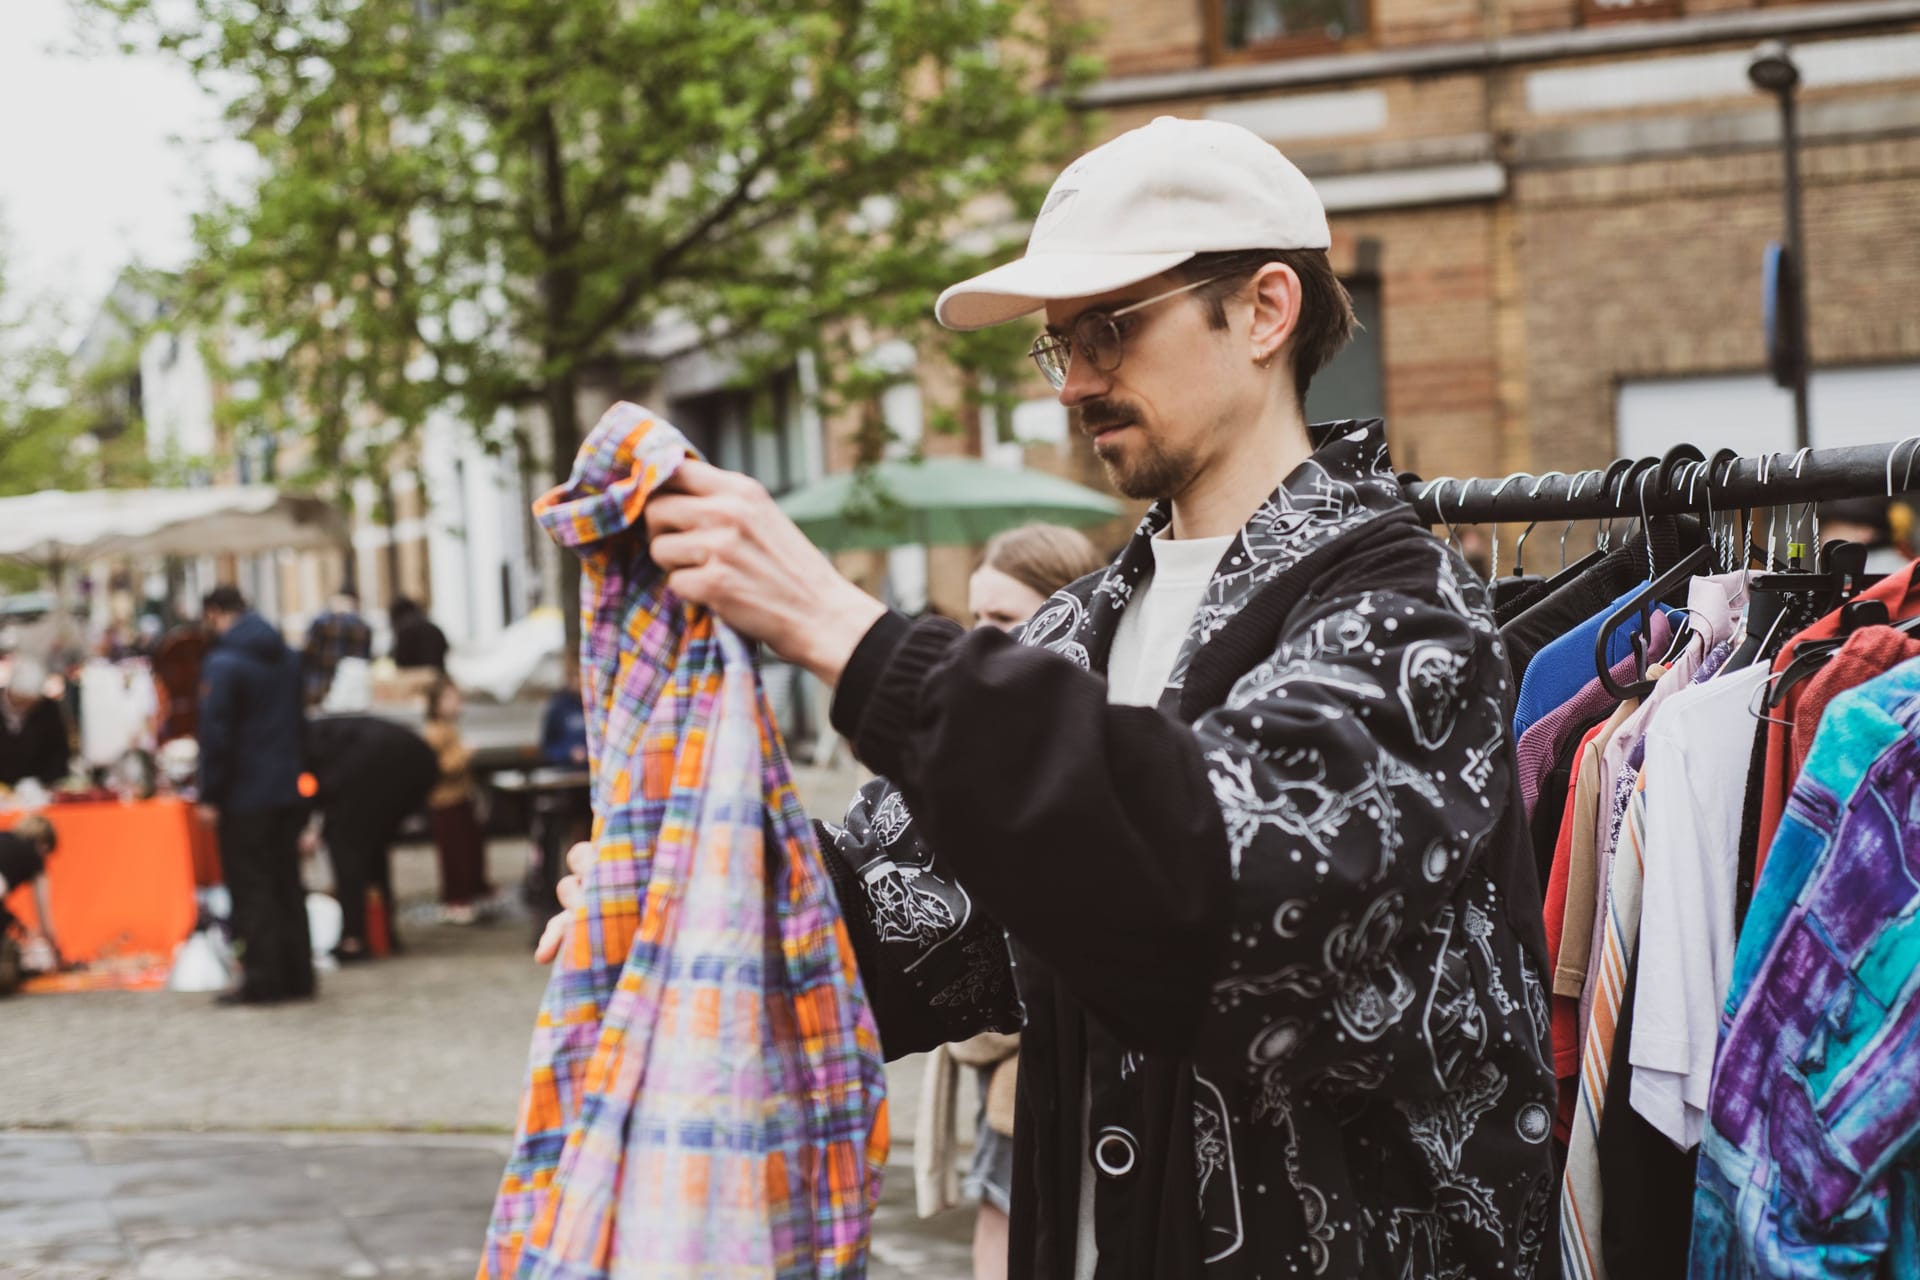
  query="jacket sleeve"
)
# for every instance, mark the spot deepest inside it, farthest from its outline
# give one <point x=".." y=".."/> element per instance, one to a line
<point x="934" y="964"/>
<point x="216" y="732"/>
<point x="1242" y="890"/>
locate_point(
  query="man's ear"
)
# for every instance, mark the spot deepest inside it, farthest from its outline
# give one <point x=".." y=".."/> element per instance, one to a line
<point x="1276" y="311"/>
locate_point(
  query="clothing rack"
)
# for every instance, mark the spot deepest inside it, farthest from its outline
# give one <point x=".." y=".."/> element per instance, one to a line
<point x="1684" y="480"/>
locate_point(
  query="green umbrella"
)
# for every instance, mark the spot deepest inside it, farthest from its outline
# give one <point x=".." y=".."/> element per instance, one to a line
<point x="937" y="501"/>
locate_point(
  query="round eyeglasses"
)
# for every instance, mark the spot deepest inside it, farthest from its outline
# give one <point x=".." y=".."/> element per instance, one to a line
<point x="1096" y="336"/>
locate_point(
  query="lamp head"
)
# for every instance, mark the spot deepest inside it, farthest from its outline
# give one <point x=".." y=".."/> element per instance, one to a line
<point x="1772" y="69"/>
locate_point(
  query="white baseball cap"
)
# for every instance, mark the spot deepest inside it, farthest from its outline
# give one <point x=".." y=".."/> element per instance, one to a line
<point x="1142" y="204"/>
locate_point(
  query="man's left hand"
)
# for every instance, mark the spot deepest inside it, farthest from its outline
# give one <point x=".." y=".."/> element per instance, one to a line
<point x="724" y="544"/>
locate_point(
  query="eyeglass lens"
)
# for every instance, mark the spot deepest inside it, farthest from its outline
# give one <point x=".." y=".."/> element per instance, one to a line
<point x="1095" y="336"/>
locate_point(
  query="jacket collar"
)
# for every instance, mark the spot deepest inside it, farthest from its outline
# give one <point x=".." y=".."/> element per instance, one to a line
<point x="1346" y="481"/>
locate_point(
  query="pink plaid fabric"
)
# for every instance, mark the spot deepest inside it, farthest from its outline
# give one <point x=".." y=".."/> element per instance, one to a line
<point x="706" y="1094"/>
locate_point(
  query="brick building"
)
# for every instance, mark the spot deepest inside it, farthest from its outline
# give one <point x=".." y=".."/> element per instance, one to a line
<point x="1553" y="214"/>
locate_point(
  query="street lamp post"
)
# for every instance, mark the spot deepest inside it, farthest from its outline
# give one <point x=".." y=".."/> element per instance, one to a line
<point x="1772" y="70"/>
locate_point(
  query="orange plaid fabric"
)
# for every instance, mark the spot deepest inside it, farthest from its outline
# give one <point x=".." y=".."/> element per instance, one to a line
<point x="707" y="1096"/>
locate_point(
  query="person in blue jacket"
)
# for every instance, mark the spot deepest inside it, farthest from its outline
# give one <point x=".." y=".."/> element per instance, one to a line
<point x="563" y="729"/>
<point x="251" y="725"/>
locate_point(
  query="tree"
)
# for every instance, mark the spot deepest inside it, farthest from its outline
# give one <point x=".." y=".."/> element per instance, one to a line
<point x="479" y="203"/>
<point x="39" y="423"/>
<point x="51" y="421"/>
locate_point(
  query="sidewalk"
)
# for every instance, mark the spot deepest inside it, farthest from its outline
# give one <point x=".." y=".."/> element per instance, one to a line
<point x="302" y="1206"/>
<point x="156" y="1136"/>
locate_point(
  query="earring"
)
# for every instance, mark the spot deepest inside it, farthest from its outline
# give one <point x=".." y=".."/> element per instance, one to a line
<point x="1265" y="361"/>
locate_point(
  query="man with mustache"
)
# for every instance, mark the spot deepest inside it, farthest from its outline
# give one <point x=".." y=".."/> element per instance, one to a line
<point x="1260" y="1037"/>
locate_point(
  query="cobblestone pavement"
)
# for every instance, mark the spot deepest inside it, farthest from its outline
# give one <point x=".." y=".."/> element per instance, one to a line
<point x="154" y="1136"/>
<point x="303" y="1206"/>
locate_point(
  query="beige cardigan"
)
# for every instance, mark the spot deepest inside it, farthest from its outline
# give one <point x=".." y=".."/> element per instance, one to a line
<point x="936" y="1179"/>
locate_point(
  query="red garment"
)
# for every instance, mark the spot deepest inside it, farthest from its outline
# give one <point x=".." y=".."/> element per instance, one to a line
<point x="463" y="853"/>
<point x="1900" y="592"/>
<point x="1869" y="652"/>
<point x="1566" y="1009"/>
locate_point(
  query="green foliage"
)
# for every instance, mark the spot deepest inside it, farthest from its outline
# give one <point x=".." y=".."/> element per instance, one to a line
<point x="39" y="424"/>
<point x="475" y="203"/>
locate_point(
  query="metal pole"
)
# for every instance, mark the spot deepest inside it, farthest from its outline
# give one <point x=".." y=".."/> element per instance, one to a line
<point x="1775" y="481"/>
<point x="1797" y="252"/>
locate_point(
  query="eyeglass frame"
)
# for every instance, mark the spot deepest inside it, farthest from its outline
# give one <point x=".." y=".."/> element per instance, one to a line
<point x="1052" y="340"/>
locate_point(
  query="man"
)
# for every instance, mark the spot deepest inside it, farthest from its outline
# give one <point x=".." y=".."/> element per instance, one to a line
<point x="33" y="733"/>
<point x="1276" y="941"/>
<point x="370" y="775"/>
<point x="23" y="861"/>
<point x="251" y="723"/>
<point x="339" y="632"/>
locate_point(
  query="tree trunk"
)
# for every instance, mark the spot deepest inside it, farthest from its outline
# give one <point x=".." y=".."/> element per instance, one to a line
<point x="560" y="294"/>
<point x="563" y="428"/>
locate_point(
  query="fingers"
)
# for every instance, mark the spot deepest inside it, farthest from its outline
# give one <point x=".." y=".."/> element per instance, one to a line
<point x="580" y="858"/>
<point x="571" y="891"/>
<point x="688" y="550"/>
<point x="552" y="937"/>
<point x="703" y="478"/>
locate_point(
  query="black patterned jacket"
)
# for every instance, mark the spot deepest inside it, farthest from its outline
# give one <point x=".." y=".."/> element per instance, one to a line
<point x="1286" y="922"/>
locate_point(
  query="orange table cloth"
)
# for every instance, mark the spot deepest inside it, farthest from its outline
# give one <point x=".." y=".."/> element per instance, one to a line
<point x="122" y="880"/>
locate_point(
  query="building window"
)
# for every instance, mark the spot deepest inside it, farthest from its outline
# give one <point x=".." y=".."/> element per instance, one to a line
<point x="758" y="430"/>
<point x="1239" y="30"/>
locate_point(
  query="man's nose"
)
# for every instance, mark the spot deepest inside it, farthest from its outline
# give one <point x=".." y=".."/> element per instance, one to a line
<point x="1084" y="382"/>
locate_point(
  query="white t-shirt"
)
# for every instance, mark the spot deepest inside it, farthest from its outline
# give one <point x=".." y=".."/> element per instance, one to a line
<point x="1148" y="638"/>
<point x="1696" y="771"/>
<point x="1145" y="645"/>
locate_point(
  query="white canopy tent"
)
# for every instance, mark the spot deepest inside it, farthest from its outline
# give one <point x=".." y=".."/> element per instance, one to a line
<point x="54" y="528"/>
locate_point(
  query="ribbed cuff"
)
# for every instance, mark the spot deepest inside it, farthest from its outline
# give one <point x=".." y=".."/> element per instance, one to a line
<point x="874" y="709"/>
<point x="861" y="675"/>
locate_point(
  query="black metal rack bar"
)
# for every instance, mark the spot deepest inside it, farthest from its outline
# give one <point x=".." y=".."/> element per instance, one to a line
<point x="1681" y="482"/>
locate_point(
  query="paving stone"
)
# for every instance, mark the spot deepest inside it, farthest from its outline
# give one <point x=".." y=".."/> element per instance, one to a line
<point x="25" y="1225"/>
<point x="432" y="1243"/>
<point x="284" y="1251"/>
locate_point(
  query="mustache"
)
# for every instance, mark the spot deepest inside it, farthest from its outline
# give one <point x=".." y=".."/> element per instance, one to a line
<point x="1097" y="415"/>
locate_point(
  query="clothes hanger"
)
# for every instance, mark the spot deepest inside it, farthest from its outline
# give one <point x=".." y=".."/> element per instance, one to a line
<point x="1568" y="572"/>
<point x="1845" y="562"/>
<point x="1779" y="603"/>
<point x="1640" y="605"/>
<point x="1434" y="487"/>
<point x="1686" y="633"/>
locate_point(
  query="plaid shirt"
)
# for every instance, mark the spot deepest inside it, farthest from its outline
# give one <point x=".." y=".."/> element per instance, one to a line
<point x="707" y="1095"/>
<point x="331" y="637"/>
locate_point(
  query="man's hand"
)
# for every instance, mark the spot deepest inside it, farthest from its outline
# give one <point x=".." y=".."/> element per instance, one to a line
<point x="209" y="814"/>
<point x="725" y="545"/>
<point x="572" y="890"/>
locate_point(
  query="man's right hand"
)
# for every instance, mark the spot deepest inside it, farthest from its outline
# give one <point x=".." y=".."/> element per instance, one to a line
<point x="572" y="891"/>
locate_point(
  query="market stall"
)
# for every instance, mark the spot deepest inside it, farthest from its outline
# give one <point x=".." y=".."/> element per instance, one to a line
<point x="123" y="880"/>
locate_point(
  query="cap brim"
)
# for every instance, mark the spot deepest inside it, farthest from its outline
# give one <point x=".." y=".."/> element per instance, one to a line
<point x="1027" y="284"/>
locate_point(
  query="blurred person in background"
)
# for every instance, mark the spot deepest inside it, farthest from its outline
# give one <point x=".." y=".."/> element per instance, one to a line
<point x="456" y="825"/>
<point x="23" y="861"/>
<point x="252" y="723"/>
<point x="1868" y="522"/>
<point x="417" y="642"/>
<point x="33" y="732"/>
<point x="176" y="665"/>
<point x="338" y="632"/>
<point x="370" y="775"/>
<point x="1018" y="571"/>
<point x="563" y="729"/>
